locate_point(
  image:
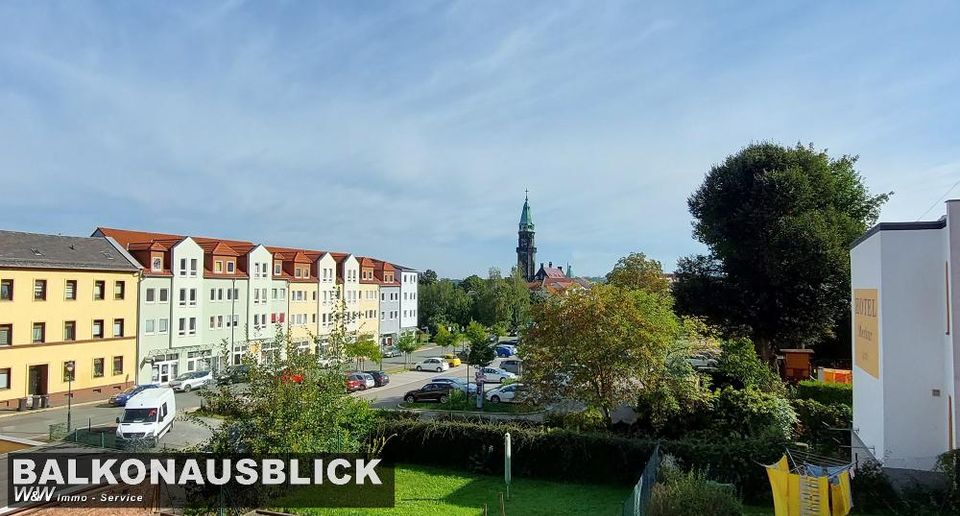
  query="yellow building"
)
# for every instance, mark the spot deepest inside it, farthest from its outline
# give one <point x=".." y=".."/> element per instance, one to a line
<point x="369" y="306"/>
<point x="68" y="318"/>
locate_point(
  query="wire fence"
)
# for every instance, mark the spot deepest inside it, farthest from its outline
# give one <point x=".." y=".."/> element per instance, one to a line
<point x="98" y="437"/>
<point x="639" y="500"/>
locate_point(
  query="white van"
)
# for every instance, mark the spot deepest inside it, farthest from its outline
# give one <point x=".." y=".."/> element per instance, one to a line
<point x="148" y="415"/>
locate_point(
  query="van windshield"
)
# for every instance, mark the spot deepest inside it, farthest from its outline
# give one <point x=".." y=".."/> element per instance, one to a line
<point x="140" y="415"/>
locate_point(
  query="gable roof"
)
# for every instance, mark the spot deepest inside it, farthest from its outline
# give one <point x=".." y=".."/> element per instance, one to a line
<point x="35" y="250"/>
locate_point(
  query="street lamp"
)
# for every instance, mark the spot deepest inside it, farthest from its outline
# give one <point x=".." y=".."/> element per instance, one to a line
<point x="69" y="394"/>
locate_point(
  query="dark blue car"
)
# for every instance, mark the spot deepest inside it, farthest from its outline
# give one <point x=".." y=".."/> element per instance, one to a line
<point x="505" y="351"/>
<point x="120" y="399"/>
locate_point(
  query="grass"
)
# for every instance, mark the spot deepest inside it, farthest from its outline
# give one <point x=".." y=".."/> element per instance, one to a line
<point x="488" y="406"/>
<point x="426" y="491"/>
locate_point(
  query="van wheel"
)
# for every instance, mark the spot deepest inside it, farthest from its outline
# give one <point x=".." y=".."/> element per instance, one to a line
<point x="418" y="368"/>
<point x="187" y="388"/>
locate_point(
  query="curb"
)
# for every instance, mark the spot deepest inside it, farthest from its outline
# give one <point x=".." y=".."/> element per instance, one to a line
<point x="48" y="409"/>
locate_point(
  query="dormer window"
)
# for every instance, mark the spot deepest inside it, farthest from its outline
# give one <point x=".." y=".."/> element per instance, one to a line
<point x="276" y="268"/>
<point x="230" y="267"/>
<point x="157" y="264"/>
<point x="218" y="266"/>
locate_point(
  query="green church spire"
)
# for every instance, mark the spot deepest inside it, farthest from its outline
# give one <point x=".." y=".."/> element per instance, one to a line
<point x="526" y="219"/>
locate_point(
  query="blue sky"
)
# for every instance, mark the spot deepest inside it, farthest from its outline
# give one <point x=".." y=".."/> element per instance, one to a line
<point x="409" y="130"/>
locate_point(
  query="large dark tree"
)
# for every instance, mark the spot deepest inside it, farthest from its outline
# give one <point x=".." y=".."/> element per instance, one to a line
<point x="778" y="222"/>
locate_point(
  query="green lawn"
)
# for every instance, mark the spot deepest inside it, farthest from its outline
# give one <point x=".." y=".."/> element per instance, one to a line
<point x="424" y="491"/>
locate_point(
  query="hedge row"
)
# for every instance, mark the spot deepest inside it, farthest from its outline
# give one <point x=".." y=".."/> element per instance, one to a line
<point x="573" y="456"/>
<point x="826" y="393"/>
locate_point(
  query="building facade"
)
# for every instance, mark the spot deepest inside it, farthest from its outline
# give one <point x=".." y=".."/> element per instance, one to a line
<point x="905" y="350"/>
<point x="68" y="317"/>
<point x="409" y="299"/>
<point x="389" y="310"/>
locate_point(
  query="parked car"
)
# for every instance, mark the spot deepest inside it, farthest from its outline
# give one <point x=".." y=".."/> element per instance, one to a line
<point x="432" y="364"/>
<point x="457" y="383"/>
<point x="380" y="378"/>
<point x="368" y="381"/>
<point x="507" y="393"/>
<point x="702" y="361"/>
<point x="429" y="392"/>
<point x="186" y="382"/>
<point x="355" y="382"/>
<point x="497" y="375"/>
<point x="452" y="360"/>
<point x="506" y="350"/>
<point x="120" y="399"/>
<point x="234" y="374"/>
<point x="513" y="365"/>
<point x="390" y="352"/>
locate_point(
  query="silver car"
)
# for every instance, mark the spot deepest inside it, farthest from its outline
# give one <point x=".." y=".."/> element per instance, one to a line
<point x="186" y="382"/>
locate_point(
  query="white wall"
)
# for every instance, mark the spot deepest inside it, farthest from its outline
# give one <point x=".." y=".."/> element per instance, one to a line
<point x="868" y="402"/>
<point x="408" y="300"/>
<point x="913" y="304"/>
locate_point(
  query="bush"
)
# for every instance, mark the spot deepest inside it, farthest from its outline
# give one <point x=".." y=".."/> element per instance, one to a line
<point x="739" y="367"/>
<point x="753" y="413"/>
<point x="687" y="493"/>
<point x="587" y="420"/>
<point x="826" y="393"/>
<point x="818" y="424"/>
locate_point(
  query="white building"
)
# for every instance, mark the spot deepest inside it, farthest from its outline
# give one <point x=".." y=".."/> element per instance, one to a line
<point x="408" y="299"/>
<point x="905" y="383"/>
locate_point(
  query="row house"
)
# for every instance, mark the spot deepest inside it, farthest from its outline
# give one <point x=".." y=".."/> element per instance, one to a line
<point x="68" y="318"/>
<point x="408" y="299"/>
<point x="369" y="306"/>
<point x="387" y="276"/>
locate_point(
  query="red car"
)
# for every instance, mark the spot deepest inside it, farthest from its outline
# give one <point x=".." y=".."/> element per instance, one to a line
<point x="355" y="382"/>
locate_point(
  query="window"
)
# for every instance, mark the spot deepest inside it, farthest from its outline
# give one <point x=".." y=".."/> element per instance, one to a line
<point x="236" y="320"/>
<point x="256" y="296"/>
<point x="183" y="266"/>
<point x="213" y="322"/>
<point x="182" y="326"/>
<point x="6" y="334"/>
<point x="193" y="326"/>
<point x="70" y="290"/>
<point x="151" y="295"/>
<point x="276" y="268"/>
<point x="99" y="289"/>
<point x="5" y="378"/>
<point x="39" y="332"/>
<point x="283" y="293"/>
<point x="6" y="290"/>
<point x="183" y="297"/>
<point x="119" y="290"/>
<point x="230" y="266"/>
<point x="230" y="294"/>
<point x="213" y="294"/>
<point x="218" y="266"/>
<point x="149" y="326"/>
<point x="273" y="293"/>
<point x="162" y="326"/>
<point x="164" y="295"/>
<point x="256" y="320"/>
<point x="219" y="294"/>
<point x="219" y="321"/>
<point x="118" y="327"/>
<point x="69" y="371"/>
<point x="98" y="368"/>
<point x="193" y="266"/>
<point x="157" y="264"/>
<point x="117" y="365"/>
<point x="193" y="297"/>
<point x="70" y="330"/>
<point x="40" y="290"/>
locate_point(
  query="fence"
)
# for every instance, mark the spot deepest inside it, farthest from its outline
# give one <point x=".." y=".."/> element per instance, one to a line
<point x="98" y="437"/>
<point x="639" y="500"/>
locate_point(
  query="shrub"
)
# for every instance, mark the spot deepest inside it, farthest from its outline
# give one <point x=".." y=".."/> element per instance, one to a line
<point x="692" y="493"/>
<point x="739" y="367"/>
<point x="751" y="412"/>
<point x="587" y="420"/>
<point x="826" y="393"/>
<point x="818" y="424"/>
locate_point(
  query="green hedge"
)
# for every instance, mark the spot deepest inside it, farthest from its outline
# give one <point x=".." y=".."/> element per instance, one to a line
<point x="826" y="393"/>
<point x="571" y="456"/>
<point x="818" y="424"/>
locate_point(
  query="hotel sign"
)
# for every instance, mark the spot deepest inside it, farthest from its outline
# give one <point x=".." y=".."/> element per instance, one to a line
<point x="866" y="334"/>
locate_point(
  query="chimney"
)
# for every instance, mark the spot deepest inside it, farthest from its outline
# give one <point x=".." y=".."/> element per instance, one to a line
<point x="541" y="265"/>
<point x="550" y="264"/>
<point x="560" y="267"/>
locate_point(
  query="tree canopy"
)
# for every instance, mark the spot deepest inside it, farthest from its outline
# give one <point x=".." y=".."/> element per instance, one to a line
<point x="598" y="346"/>
<point x="777" y="222"/>
<point x="496" y="300"/>
<point x="637" y="272"/>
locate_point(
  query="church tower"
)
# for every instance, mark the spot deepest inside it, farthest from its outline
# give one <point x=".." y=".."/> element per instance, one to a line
<point x="526" y="251"/>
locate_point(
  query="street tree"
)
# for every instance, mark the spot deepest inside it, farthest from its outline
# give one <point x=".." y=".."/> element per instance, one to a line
<point x="428" y="277"/>
<point x="361" y="349"/>
<point x="406" y="344"/>
<point x="777" y="222"/>
<point x="637" y="272"/>
<point x="481" y="351"/>
<point x="599" y="346"/>
<point x="443" y="337"/>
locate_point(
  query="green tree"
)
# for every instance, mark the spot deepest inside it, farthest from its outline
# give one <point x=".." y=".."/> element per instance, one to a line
<point x="442" y="302"/>
<point x="637" y="272"/>
<point x="777" y="222"/>
<point x="599" y="346"/>
<point x="407" y="343"/>
<point x="428" y="277"/>
<point x="443" y="337"/>
<point x="481" y="348"/>
<point x="361" y="349"/>
<point x="473" y="284"/>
